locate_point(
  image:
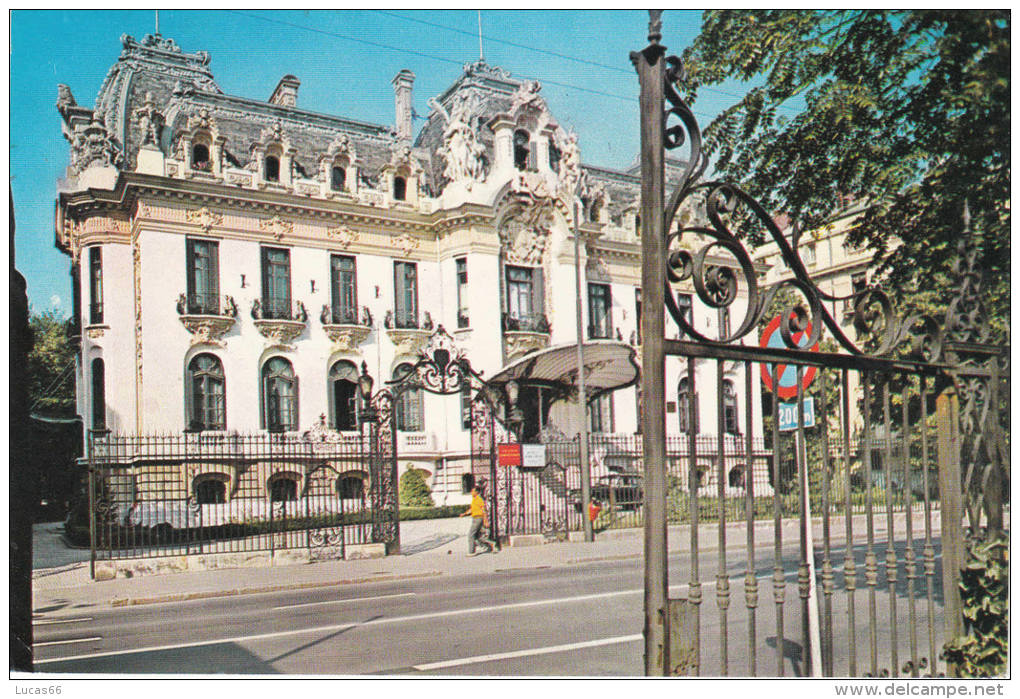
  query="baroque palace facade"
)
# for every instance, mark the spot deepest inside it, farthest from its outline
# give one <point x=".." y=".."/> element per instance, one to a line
<point x="235" y="261"/>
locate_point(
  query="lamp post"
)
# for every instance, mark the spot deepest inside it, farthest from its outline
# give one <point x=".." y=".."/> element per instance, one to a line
<point x="368" y="415"/>
<point x="516" y="416"/>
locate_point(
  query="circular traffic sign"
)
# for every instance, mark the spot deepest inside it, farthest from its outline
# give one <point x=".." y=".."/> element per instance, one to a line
<point x="772" y="338"/>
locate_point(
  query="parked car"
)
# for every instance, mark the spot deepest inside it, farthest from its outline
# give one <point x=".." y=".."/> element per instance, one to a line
<point x="626" y="490"/>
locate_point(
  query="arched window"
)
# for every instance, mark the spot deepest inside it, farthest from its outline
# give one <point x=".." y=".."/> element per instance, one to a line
<point x="408" y="403"/>
<point x="206" y="400"/>
<point x="736" y="477"/>
<point x="730" y="425"/>
<point x="683" y="393"/>
<point x="200" y="157"/>
<point x="350" y="487"/>
<point x="282" y="489"/>
<point x="343" y="396"/>
<point x="98" y="394"/>
<point x="338" y="178"/>
<point x="210" y="490"/>
<point x="399" y="188"/>
<point x="272" y="168"/>
<point x="554" y="158"/>
<point x="522" y="149"/>
<point x="279" y="396"/>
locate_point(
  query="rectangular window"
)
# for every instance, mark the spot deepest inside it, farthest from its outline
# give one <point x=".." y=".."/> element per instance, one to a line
<point x="95" y="285"/>
<point x="600" y="414"/>
<point x="686" y="305"/>
<point x="463" y="320"/>
<point x="405" y="283"/>
<point x="600" y="302"/>
<point x="724" y="322"/>
<point x="343" y="290"/>
<point x="465" y="408"/>
<point x="98" y="395"/>
<point x="276" y="283"/>
<point x="524" y="298"/>
<point x="203" y="277"/>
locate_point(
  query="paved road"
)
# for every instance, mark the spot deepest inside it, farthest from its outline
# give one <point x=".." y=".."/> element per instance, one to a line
<point x="574" y="621"/>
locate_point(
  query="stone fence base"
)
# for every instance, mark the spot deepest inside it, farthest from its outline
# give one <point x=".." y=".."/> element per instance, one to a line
<point x="136" y="567"/>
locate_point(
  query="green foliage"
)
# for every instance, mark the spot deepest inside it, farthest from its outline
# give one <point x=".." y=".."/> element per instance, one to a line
<point x="414" y="491"/>
<point x="50" y="367"/>
<point x="984" y="592"/>
<point x="906" y="110"/>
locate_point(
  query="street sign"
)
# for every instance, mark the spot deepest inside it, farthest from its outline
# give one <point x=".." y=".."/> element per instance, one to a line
<point x="772" y="338"/>
<point x="509" y="454"/>
<point x="788" y="415"/>
<point x="533" y="456"/>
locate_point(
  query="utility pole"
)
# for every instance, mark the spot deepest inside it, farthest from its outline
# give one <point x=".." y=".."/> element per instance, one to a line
<point x="582" y="404"/>
<point x="650" y="65"/>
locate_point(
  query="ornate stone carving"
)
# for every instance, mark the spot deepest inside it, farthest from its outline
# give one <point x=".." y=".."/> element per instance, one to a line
<point x="95" y="332"/>
<point x="343" y="236"/>
<point x="461" y="149"/>
<point x="150" y="121"/>
<point x="519" y="343"/>
<point x="205" y="218"/>
<point x="280" y="333"/>
<point x="207" y="330"/>
<point x="347" y="338"/>
<point x="276" y="226"/>
<point x="527" y="99"/>
<point x="93" y="146"/>
<point x="408" y="341"/>
<point x="525" y="236"/>
<point x="406" y="243"/>
<point x="570" y="166"/>
<point x="597" y="270"/>
<point x="240" y="179"/>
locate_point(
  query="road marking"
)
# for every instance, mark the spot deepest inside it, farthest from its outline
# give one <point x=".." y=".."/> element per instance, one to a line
<point x="341" y="601"/>
<point x="70" y="640"/>
<point x="373" y="622"/>
<point x="45" y="622"/>
<point x="526" y="653"/>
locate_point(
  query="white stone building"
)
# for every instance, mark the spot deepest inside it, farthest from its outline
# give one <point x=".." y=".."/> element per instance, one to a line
<point x="236" y="260"/>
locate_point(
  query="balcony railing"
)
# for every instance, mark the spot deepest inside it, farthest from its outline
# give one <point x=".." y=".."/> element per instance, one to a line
<point x="407" y="321"/>
<point x="529" y="323"/>
<point x="206" y="305"/>
<point x="345" y="315"/>
<point x="278" y="309"/>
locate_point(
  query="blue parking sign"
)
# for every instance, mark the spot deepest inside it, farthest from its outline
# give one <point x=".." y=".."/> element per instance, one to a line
<point x="788" y="415"/>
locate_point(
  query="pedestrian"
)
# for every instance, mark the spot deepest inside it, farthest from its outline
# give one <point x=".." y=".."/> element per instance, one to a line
<point x="479" y="517"/>
<point x="594" y="508"/>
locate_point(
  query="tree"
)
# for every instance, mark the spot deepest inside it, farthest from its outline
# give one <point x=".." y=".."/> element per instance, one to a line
<point x="906" y="110"/>
<point x="51" y="367"/>
<point x="414" y="491"/>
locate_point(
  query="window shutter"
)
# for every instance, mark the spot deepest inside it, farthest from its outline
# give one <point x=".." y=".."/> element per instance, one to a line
<point x="214" y="274"/>
<point x="265" y="276"/>
<point x="538" y="297"/>
<point x="297" y="401"/>
<point x="191" y="271"/>
<point x="532" y="159"/>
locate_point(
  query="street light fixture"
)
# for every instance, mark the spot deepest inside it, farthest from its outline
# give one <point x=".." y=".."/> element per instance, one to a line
<point x="516" y="416"/>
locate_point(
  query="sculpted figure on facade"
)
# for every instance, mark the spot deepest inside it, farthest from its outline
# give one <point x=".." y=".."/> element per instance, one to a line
<point x="570" y="166"/>
<point x="527" y="98"/>
<point x="461" y="149"/>
<point x="524" y="235"/>
<point x="93" y="146"/>
<point x="150" y="121"/>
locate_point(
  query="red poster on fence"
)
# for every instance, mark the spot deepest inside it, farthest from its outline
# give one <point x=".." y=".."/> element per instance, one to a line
<point x="509" y="454"/>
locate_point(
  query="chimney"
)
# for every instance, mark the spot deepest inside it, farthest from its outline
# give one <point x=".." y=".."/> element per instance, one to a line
<point x="402" y="94"/>
<point x="285" y="93"/>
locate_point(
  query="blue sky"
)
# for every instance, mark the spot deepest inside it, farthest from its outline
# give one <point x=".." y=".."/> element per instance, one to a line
<point x="345" y="61"/>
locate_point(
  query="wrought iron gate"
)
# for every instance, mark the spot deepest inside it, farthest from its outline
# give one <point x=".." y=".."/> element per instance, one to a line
<point x="872" y="599"/>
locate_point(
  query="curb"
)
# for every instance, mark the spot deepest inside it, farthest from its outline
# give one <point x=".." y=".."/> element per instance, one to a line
<point x="211" y="594"/>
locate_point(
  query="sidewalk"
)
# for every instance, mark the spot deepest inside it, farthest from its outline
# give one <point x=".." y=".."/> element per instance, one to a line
<point x="430" y="548"/>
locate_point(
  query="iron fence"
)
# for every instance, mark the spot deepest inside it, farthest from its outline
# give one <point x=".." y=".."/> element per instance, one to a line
<point x="211" y="493"/>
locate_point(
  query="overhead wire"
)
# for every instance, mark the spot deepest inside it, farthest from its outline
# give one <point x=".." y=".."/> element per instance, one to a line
<point x="422" y="54"/>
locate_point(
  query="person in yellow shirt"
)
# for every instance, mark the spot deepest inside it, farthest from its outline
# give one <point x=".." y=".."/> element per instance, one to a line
<point x="479" y="516"/>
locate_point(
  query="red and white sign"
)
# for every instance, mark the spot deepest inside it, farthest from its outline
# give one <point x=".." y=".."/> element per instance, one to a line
<point x="772" y="338"/>
<point x="509" y="454"/>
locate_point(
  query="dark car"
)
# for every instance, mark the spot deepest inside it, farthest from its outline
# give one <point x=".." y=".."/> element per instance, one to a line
<point x="626" y="491"/>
